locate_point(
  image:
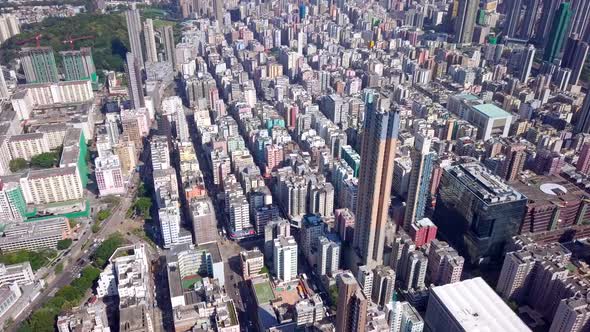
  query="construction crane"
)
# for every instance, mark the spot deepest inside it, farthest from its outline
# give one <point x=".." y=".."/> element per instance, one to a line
<point x="71" y="40"/>
<point x="36" y="38"/>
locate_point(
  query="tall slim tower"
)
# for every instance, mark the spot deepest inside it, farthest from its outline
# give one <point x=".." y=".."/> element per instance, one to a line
<point x="39" y="64"/>
<point x="134" y="31"/>
<point x="376" y="173"/>
<point x="219" y="12"/>
<point x="581" y="18"/>
<point x="134" y="82"/>
<point x="548" y="11"/>
<point x="530" y="18"/>
<point x="559" y="28"/>
<point x="574" y="57"/>
<point x="419" y="187"/>
<point x="150" y="41"/>
<point x="583" y="124"/>
<point x="169" y="47"/>
<point x="512" y="18"/>
<point x="351" y="312"/>
<point x="79" y="65"/>
<point x="527" y="63"/>
<point x="466" y="20"/>
<point x="514" y="162"/>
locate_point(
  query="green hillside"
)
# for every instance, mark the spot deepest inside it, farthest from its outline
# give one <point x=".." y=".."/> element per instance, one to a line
<point x="109" y="45"/>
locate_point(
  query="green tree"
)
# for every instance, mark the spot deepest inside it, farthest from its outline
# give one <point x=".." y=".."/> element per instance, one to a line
<point x="103" y="215"/>
<point x="107" y="248"/>
<point x="45" y="160"/>
<point x="95" y="227"/>
<point x="264" y="270"/>
<point x="17" y="165"/>
<point x="143" y="206"/>
<point x="59" y="268"/>
<point x="64" y="244"/>
<point x="73" y="222"/>
<point x="333" y="296"/>
<point x="36" y="258"/>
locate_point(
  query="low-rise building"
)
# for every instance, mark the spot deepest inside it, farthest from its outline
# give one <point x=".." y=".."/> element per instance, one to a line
<point x="252" y="263"/>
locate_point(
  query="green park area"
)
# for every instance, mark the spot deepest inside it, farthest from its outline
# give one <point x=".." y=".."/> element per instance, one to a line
<point x="37" y="259"/>
<point x="108" y="38"/>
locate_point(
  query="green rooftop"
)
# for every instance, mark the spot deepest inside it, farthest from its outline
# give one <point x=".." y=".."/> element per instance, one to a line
<point x="492" y="111"/>
<point x="263" y="292"/>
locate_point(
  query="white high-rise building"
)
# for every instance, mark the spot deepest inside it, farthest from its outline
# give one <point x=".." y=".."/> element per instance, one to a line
<point x="169" y="225"/>
<point x="109" y="176"/>
<point x="172" y="107"/>
<point x="239" y="213"/>
<point x="329" y="252"/>
<point x="9" y="26"/>
<point x="52" y="185"/>
<point x="402" y="317"/>
<point x="364" y="277"/>
<point x="285" y="258"/>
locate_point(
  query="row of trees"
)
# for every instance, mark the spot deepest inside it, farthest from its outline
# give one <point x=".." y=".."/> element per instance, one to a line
<point x="44" y="319"/>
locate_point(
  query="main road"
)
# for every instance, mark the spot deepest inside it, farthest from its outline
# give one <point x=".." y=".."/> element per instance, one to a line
<point x="78" y="256"/>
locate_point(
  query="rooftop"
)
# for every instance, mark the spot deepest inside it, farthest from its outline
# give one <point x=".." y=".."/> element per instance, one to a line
<point x="476" y="307"/>
<point x="492" y="111"/>
<point x="485" y="185"/>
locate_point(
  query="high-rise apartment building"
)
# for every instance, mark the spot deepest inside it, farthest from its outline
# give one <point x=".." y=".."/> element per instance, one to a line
<point x="39" y="64"/>
<point x="12" y="203"/>
<point x="514" y="162"/>
<point x="273" y="230"/>
<point x="133" y="20"/>
<point x="52" y="185"/>
<point x="329" y="254"/>
<point x="150" y="41"/>
<point x="574" y="57"/>
<point x="169" y="218"/>
<point x="79" y="65"/>
<point x="583" y="123"/>
<point x="403" y="317"/>
<point x="134" y="81"/>
<point x="465" y="21"/>
<point x="203" y="220"/>
<point x="583" y="164"/>
<point x="285" y="258"/>
<point x="169" y="45"/>
<point x="445" y="266"/>
<point x="559" y="29"/>
<point x="512" y="18"/>
<point x="573" y="315"/>
<point x="351" y="310"/>
<point x="9" y="26"/>
<point x="580" y="19"/>
<point x="476" y="211"/>
<point x="219" y="11"/>
<point x="419" y="185"/>
<point x="527" y="63"/>
<point x="376" y="172"/>
<point x="383" y="285"/>
<point x="364" y="276"/>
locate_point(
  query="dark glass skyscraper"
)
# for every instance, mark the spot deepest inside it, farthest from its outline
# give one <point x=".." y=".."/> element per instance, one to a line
<point x="477" y="212"/>
<point x="559" y="28"/>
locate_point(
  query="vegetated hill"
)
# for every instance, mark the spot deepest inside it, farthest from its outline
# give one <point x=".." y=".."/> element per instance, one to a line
<point x="109" y="45"/>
